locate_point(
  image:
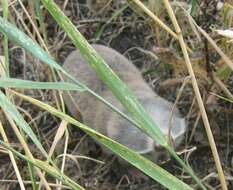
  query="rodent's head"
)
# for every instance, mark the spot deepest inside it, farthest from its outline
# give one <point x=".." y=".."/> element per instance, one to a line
<point x="159" y="110"/>
<point x="124" y="132"/>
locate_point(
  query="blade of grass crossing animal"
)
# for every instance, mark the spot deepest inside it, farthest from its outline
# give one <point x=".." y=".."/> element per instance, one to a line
<point x="25" y="84"/>
<point x="23" y="40"/>
<point x="20" y="38"/>
<point x="146" y="166"/>
<point x="13" y="112"/>
<point x="46" y="167"/>
<point x="119" y="89"/>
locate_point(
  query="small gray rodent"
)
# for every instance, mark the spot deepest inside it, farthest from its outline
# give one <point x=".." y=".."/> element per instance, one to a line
<point x="98" y="116"/>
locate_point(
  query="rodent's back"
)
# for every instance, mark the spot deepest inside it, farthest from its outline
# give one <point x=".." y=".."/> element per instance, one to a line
<point x="127" y="72"/>
<point x="98" y="116"/>
<point x="87" y="104"/>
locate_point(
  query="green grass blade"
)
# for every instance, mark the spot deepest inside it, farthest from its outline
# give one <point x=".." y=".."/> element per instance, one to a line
<point x="46" y="167"/>
<point x="125" y="95"/>
<point x="148" y="167"/>
<point x="7" y="106"/>
<point x="223" y="98"/>
<point x="5" y="39"/>
<point x="30" y="166"/>
<point x="224" y="72"/>
<point x="194" y="5"/>
<point x="119" y="89"/>
<point x="32" y="176"/>
<point x="26" y="84"/>
<point x="20" y="38"/>
<point x="40" y="16"/>
<point x="24" y="40"/>
<point x="115" y="15"/>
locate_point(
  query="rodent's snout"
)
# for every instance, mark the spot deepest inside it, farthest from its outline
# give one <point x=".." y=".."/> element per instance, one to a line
<point x="178" y="130"/>
<point x="171" y="125"/>
<point x="159" y="155"/>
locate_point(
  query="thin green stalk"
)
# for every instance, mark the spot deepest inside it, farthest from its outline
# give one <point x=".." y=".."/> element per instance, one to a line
<point x="137" y="160"/>
<point x="30" y="166"/>
<point x="32" y="176"/>
<point x="12" y="158"/>
<point x="114" y="83"/>
<point x="119" y="89"/>
<point x="27" y="43"/>
<point x="44" y="166"/>
<point x="187" y="168"/>
<point x="41" y="19"/>
<point x="5" y="39"/>
<point x="154" y="17"/>
<point x="115" y="15"/>
<point x="197" y="94"/>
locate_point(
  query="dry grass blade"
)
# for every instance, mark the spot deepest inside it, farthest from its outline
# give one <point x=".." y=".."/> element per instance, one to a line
<point x="20" y="181"/>
<point x="223" y="87"/>
<point x="113" y="82"/>
<point x="58" y="136"/>
<point x="26" y="149"/>
<point x="34" y="26"/>
<point x="210" y="40"/>
<point x="154" y="17"/>
<point x="198" y="95"/>
<point x="148" y="167"/>
<point x="21" y="139"/>
<point x="26" y="182"/>
<point x="63" y="129"/>
<point x="44" y="166"/>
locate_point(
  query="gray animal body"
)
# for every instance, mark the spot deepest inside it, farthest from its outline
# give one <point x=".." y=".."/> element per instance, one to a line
<point x="98" y="116"/>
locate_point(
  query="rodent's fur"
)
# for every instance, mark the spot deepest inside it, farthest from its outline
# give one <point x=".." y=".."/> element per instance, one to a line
<point x="98" y="116"/>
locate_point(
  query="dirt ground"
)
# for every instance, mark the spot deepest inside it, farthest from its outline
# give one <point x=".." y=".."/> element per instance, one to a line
<point x="135" y="36"/>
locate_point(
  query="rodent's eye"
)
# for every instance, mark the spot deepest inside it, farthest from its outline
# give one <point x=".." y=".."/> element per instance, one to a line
<point x="163" y="157"/>
<point x="158" y="148"/>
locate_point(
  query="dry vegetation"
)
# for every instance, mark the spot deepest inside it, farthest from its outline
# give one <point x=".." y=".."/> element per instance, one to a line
<point x="157" y="54"/>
